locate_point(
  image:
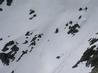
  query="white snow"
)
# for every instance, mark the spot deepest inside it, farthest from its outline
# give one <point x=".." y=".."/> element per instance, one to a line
<point x="51" y="14"/>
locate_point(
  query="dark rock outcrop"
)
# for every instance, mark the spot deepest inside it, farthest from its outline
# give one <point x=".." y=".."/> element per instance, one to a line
<point x="10" y="43"/>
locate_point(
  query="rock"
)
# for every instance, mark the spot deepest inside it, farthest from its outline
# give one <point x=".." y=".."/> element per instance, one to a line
<point x="80" y="9"/>
<point x="14" y="50"/>
<point x="86" y="55"/>
<point x="86" y="8"/>
<point x="34" y="15"/>
<point x="1" y="39"/>
<point x="57" y="30"/>
<point x="70" y="22"/>
<point x="80" y="17"/>
<point x="34" y="38"/>
<point x="28" y="33"/>
<point x="10" y="43"/>
<point x="31" y="49"/>
<point x="1" y="9"/>
<point x="1" y="1"/>
<point x="92" y="40"/>
<point x="9" y="2"/>
<point x="12" y="71"/>
<point x="25" y="42"/>
<point x="5" y="58"/>
<point x="33" y="43"/>
<point x="23" y="53"/>
<point x="31" y="11"/>
<point x="94" y="70"/>
<point x="67" y="24"/>
<point x="58" y="57"/>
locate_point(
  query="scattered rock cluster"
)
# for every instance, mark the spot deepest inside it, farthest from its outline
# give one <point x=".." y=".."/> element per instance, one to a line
<point x="8" y="53"/>
<point x="83" y="9"/>
<point x="32" y="14"/>
<point x="11" y="48"/>
<point x="8" y="3"/>
<point x="73" y="29"/>
<point x="34" y="40"/>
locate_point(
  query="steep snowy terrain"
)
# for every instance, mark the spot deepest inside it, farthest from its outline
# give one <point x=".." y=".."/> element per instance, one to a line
<point x="46" y="36"/>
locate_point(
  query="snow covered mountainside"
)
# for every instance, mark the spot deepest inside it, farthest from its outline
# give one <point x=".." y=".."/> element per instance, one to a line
<point x="48" y="36"/>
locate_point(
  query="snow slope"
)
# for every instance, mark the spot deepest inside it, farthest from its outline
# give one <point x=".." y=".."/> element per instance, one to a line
<point x="56" y="50"/>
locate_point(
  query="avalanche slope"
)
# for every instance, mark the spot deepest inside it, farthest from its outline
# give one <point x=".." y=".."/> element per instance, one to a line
<point x="55" y="39"/>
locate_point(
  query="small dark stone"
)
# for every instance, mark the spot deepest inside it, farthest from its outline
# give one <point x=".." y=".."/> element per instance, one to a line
<point x="92" y="40"/>
<point x="31" y="49"/>
<point x="70" y="27"/>
<point x="31" y="18"/>
<point x="31" y="33"/>
<point x="33" y="43"/>
<point x="80" y="17"/>
<point x="67" y="24"/>
<point x="1" y="9"/>
<point x="57" y="30"/>
<point x="40" y="35"/>
<point x="25" y="42"/>
<point x="25" y="52"/>
<point x="34" y="38"/>
<point x="86" y="55"/>
<point x="70" y="22"/>
<point x="12" y="71"/>
<point x="31" y="11"/>
<point x="58" y="57"/>
<point x="27" y="37"/>
<point x="97" y="33"/>
<point x="80" y="9"/>
<point x="37" y="39"/>
<point x="34" y="15"/>
<point x="28" y="33"/>
<point x="86" y="8"/>
<point x="1" y="39"/>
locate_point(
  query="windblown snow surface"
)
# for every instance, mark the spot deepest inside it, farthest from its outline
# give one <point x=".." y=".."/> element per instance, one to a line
<point x="48" y="36"/>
